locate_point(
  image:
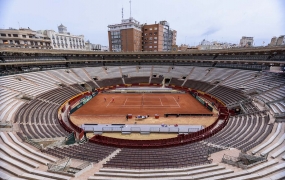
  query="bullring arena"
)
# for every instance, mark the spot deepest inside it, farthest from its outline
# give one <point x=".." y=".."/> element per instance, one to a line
<point x="211" y="116"/>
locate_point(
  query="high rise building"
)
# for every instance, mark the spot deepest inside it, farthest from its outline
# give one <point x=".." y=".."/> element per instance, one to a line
<point x="130" y="35"/>
<point x="158" y="37"/>
<point x="152" y="37"/>
<point x="126" y="36"/>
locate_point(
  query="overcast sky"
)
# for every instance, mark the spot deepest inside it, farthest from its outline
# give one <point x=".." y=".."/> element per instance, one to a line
<point x="194" y="20"/>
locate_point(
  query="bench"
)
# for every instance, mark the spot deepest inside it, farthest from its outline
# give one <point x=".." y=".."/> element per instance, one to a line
<point x="19" y="150"/>
<point x="20" y="158"/>
<point x="30" y="149"/>
<point x="269" y="140"/>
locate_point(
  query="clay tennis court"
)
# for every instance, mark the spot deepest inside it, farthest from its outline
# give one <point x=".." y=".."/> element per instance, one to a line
<point x="97" y="110"/>
<point x="141" y="104"/>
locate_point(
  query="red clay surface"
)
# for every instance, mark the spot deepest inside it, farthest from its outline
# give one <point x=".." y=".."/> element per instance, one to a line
<point x="141" y="104"/>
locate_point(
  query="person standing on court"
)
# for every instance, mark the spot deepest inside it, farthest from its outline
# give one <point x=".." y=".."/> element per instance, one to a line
<point x="105" y="99"/>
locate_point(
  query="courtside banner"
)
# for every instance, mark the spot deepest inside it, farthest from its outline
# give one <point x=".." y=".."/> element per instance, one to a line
<point x="83" y="101"/>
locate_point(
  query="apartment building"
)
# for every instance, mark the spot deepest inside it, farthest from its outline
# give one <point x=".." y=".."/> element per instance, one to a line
<point x="126" y="36"/>
<point x="24" y="38"/>
<point x="131" y="36"/>
<point x="158" y="37"/>
<point x="63" y="40"/>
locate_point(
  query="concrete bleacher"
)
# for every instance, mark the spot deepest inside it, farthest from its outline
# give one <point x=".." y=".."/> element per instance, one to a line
<point x="65" y="76"/>
<point x="275" y="145"/>
<point x="6" y="176"/>
<point x="19" y="158"/>
<point x="37" y="118"/>
<point x="30" y="173"/>
<point x="279" y="152"/>
<point x="277" y="176"/>
<point x="263" y="145"/>
<point x="268" y="171"/>
<point x="9" y="104"/>
<point x="81" y="73"/>
<point x="132" y="69"/>
<point x="21" y="151"/>
<point x="242" y="132"/>
<point x="14" y="138"/>
<point x="179" y="71"/>
<point x="22" y="161"/>
<point x="111" y="72"/>
<point x="239" y="79"/>
<point x="211" y="172"/>
<point x="183" y="173"/>
<point x="95" y="71"/>
<point x="246" y="172"/>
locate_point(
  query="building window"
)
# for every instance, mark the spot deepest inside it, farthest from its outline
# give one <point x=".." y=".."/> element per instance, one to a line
<point x="154" y="46"/>
<point x="155" y="33"/>
<point x="155" y="38"/>
<point x="150" y="46"/>
<point x="3" y="35"/>
<point x="150" y="29"/>
<point x="24" y="36"/>
<point x="15" y="35"/>
<point x="150" y="38"/>
<point x="9" y="35"/>
<point x="145" y="29"/>
<point x="150" y="34"/>
<point x="155" y="42"/>
<point x="155" y="28"/>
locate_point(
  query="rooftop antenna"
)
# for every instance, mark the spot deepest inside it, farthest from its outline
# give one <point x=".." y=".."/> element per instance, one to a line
<point x="122" y="13"/>
<point x="130" y="8"/>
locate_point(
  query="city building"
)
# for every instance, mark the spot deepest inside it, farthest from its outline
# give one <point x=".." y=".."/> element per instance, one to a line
<point x="104" y="48"/>
<point x="158" y="37"/>
<point x="246" y="41"/>
<point x="24" y="38"/>
<point x="277" y="41"/>
<point x="63" y="40"/>
<point x="280" y="41"/>
<point x="126" y="36"/>
<point x="92" y="47"/>
<point x="273" y="41"/>
<point x="152" y="37"/>
<point x="207" y="45"/>
<point x="183" y="47"/>
<point x="131" y="36"/>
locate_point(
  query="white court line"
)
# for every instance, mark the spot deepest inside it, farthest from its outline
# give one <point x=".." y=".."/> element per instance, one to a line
<point x="160" y="102"/>
<point x="176" y="101"/>
<point x="140" y="101"/>
<point x="151" y="107"/>
<point x="109" y="102"/>
<point x="125" y="101"/>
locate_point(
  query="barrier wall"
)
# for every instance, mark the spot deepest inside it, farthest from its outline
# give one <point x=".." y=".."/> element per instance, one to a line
<point x="79" y="132"/>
